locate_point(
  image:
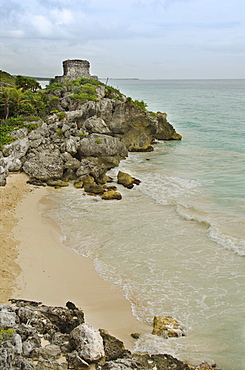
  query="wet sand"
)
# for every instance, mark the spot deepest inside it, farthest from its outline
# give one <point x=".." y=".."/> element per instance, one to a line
<point x="38" y="266"/>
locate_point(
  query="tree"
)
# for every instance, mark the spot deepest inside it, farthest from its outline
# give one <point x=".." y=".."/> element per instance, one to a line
<point x="27" y="83"/>
<point x="6" y="99"/>
<point x="11" y="96"/>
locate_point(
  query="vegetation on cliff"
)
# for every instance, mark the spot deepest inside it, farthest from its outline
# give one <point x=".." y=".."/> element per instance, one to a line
<point x="22" y="100"/>
<point x="80" y="126"/>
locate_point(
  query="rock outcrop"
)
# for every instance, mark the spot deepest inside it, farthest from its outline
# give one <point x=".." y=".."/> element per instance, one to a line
<point x="84" y="142"/>
<point x="36" y="337"/>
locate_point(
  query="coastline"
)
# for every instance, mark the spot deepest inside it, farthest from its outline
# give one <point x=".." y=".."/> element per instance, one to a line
<point x="10" y="196"/>
<point x="44" y="270"/>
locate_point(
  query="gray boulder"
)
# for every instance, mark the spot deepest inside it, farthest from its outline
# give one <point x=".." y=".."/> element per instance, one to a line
<point x="90" y="167"/>
<point x="8" y="318"/>
<point x="101" y="146"/>
<point x="96" y="125"/>
<point x="11" y="163"/>
<point x="72" y="145"/>
<point x="49" y="352"/>
<point x="16" y="149"/>
<point x="50" y="365"/>
<point x="20" y="133"/>
<point x="88" y="343"/>
<point x="75" y="361"/>
<point x="44" y="165"/>
<point x="3" y="175"/>
<point x="30" y="344"/>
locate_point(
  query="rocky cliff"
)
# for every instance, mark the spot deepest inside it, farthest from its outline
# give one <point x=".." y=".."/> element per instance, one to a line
<point x="81" y="140"/>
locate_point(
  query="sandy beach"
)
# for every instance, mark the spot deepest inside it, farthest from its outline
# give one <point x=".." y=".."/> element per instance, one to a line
<point x="36" y="266"/>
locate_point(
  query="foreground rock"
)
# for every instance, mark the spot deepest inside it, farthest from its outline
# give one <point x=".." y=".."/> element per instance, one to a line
<point x="35" y="336"/>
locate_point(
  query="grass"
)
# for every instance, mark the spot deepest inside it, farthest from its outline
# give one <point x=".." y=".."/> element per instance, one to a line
<point x="11" y="124"/>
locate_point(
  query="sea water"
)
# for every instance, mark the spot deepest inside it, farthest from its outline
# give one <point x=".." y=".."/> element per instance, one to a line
<point x="175" y="244"/>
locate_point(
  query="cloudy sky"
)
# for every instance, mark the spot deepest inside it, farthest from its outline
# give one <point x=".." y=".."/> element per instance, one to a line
<point x="125" y="38"/>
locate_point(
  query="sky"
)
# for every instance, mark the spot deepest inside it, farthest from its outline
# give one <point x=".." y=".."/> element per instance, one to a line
<point x="154" y="39"/>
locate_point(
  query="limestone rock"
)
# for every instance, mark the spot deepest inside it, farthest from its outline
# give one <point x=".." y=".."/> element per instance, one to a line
<point x="110" y="195"/>
<point x="137" y="140"/>
<point x="8" y="318"/>
<point x="144" y="362"/>
<point x="75" y="361"/>
<point x="69" y="175"/>
<point x="49" y="352"/>
<point x="3" y="175"/>
<point x="78" y="184"/>
<point x="20" y="133"/>
<point x="88" y="343"/>
<point x="50" y="365"/>
<point x="113" y="347"/>
<point x="90" y="186"/>
<point x="57" y="183"/>
<point x="30" y="344"/>
<point x="126" y="180"/>
<point x="96" y="125"/>
<point x="67" y="336"/>
<point x="16" y="149"/>
<point x="165" y="130"/>
<point x="91" y="167"/>
<point x="63" y="318"/>
<point x="167" y="326"/>
<point x="44" y="165"/>
<point x="72" y="164"/>
<point x="101" y="146"/>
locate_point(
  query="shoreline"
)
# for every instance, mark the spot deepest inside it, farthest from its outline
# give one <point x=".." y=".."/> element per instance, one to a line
<point x="53" y="274"/>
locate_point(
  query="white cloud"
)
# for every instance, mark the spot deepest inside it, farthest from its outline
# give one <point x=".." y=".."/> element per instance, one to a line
<point x="61" y="17"/>
<point x="130" y="35"/>
<point x="42" y="25"/>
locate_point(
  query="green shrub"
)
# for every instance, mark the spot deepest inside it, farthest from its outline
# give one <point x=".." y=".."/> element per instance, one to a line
<point x="139" y="104"/>
<point x="83" y="97"/>
<point x="112" y="93"/>
<point x="61" y="115"/>
<point x="98" y="141"/>
<point x="11" y="124"/>
<point x="5" y="333"/>
<point x="153" y="114"/>
<point x="84" y="81"/>
<point x="59" y="132"/>
<point x="82" y="134"/>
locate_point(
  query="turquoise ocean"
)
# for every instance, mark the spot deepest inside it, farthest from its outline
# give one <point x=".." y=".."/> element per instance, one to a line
<point x="175" y="244"/>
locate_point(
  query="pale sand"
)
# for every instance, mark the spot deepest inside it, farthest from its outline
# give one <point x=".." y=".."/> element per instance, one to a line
<point x="53" y="274"/>
<point x="10" y="196"/>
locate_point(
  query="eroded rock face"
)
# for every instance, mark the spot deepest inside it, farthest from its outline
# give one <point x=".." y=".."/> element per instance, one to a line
<point x="96" y="145"/>
<point x="44" y="165"/>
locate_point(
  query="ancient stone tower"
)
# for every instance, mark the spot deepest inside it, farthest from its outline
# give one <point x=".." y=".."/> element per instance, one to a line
<point x="75" y="68"/>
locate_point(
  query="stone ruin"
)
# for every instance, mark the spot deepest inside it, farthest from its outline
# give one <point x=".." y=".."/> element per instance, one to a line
<point x="75" y="68"/>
